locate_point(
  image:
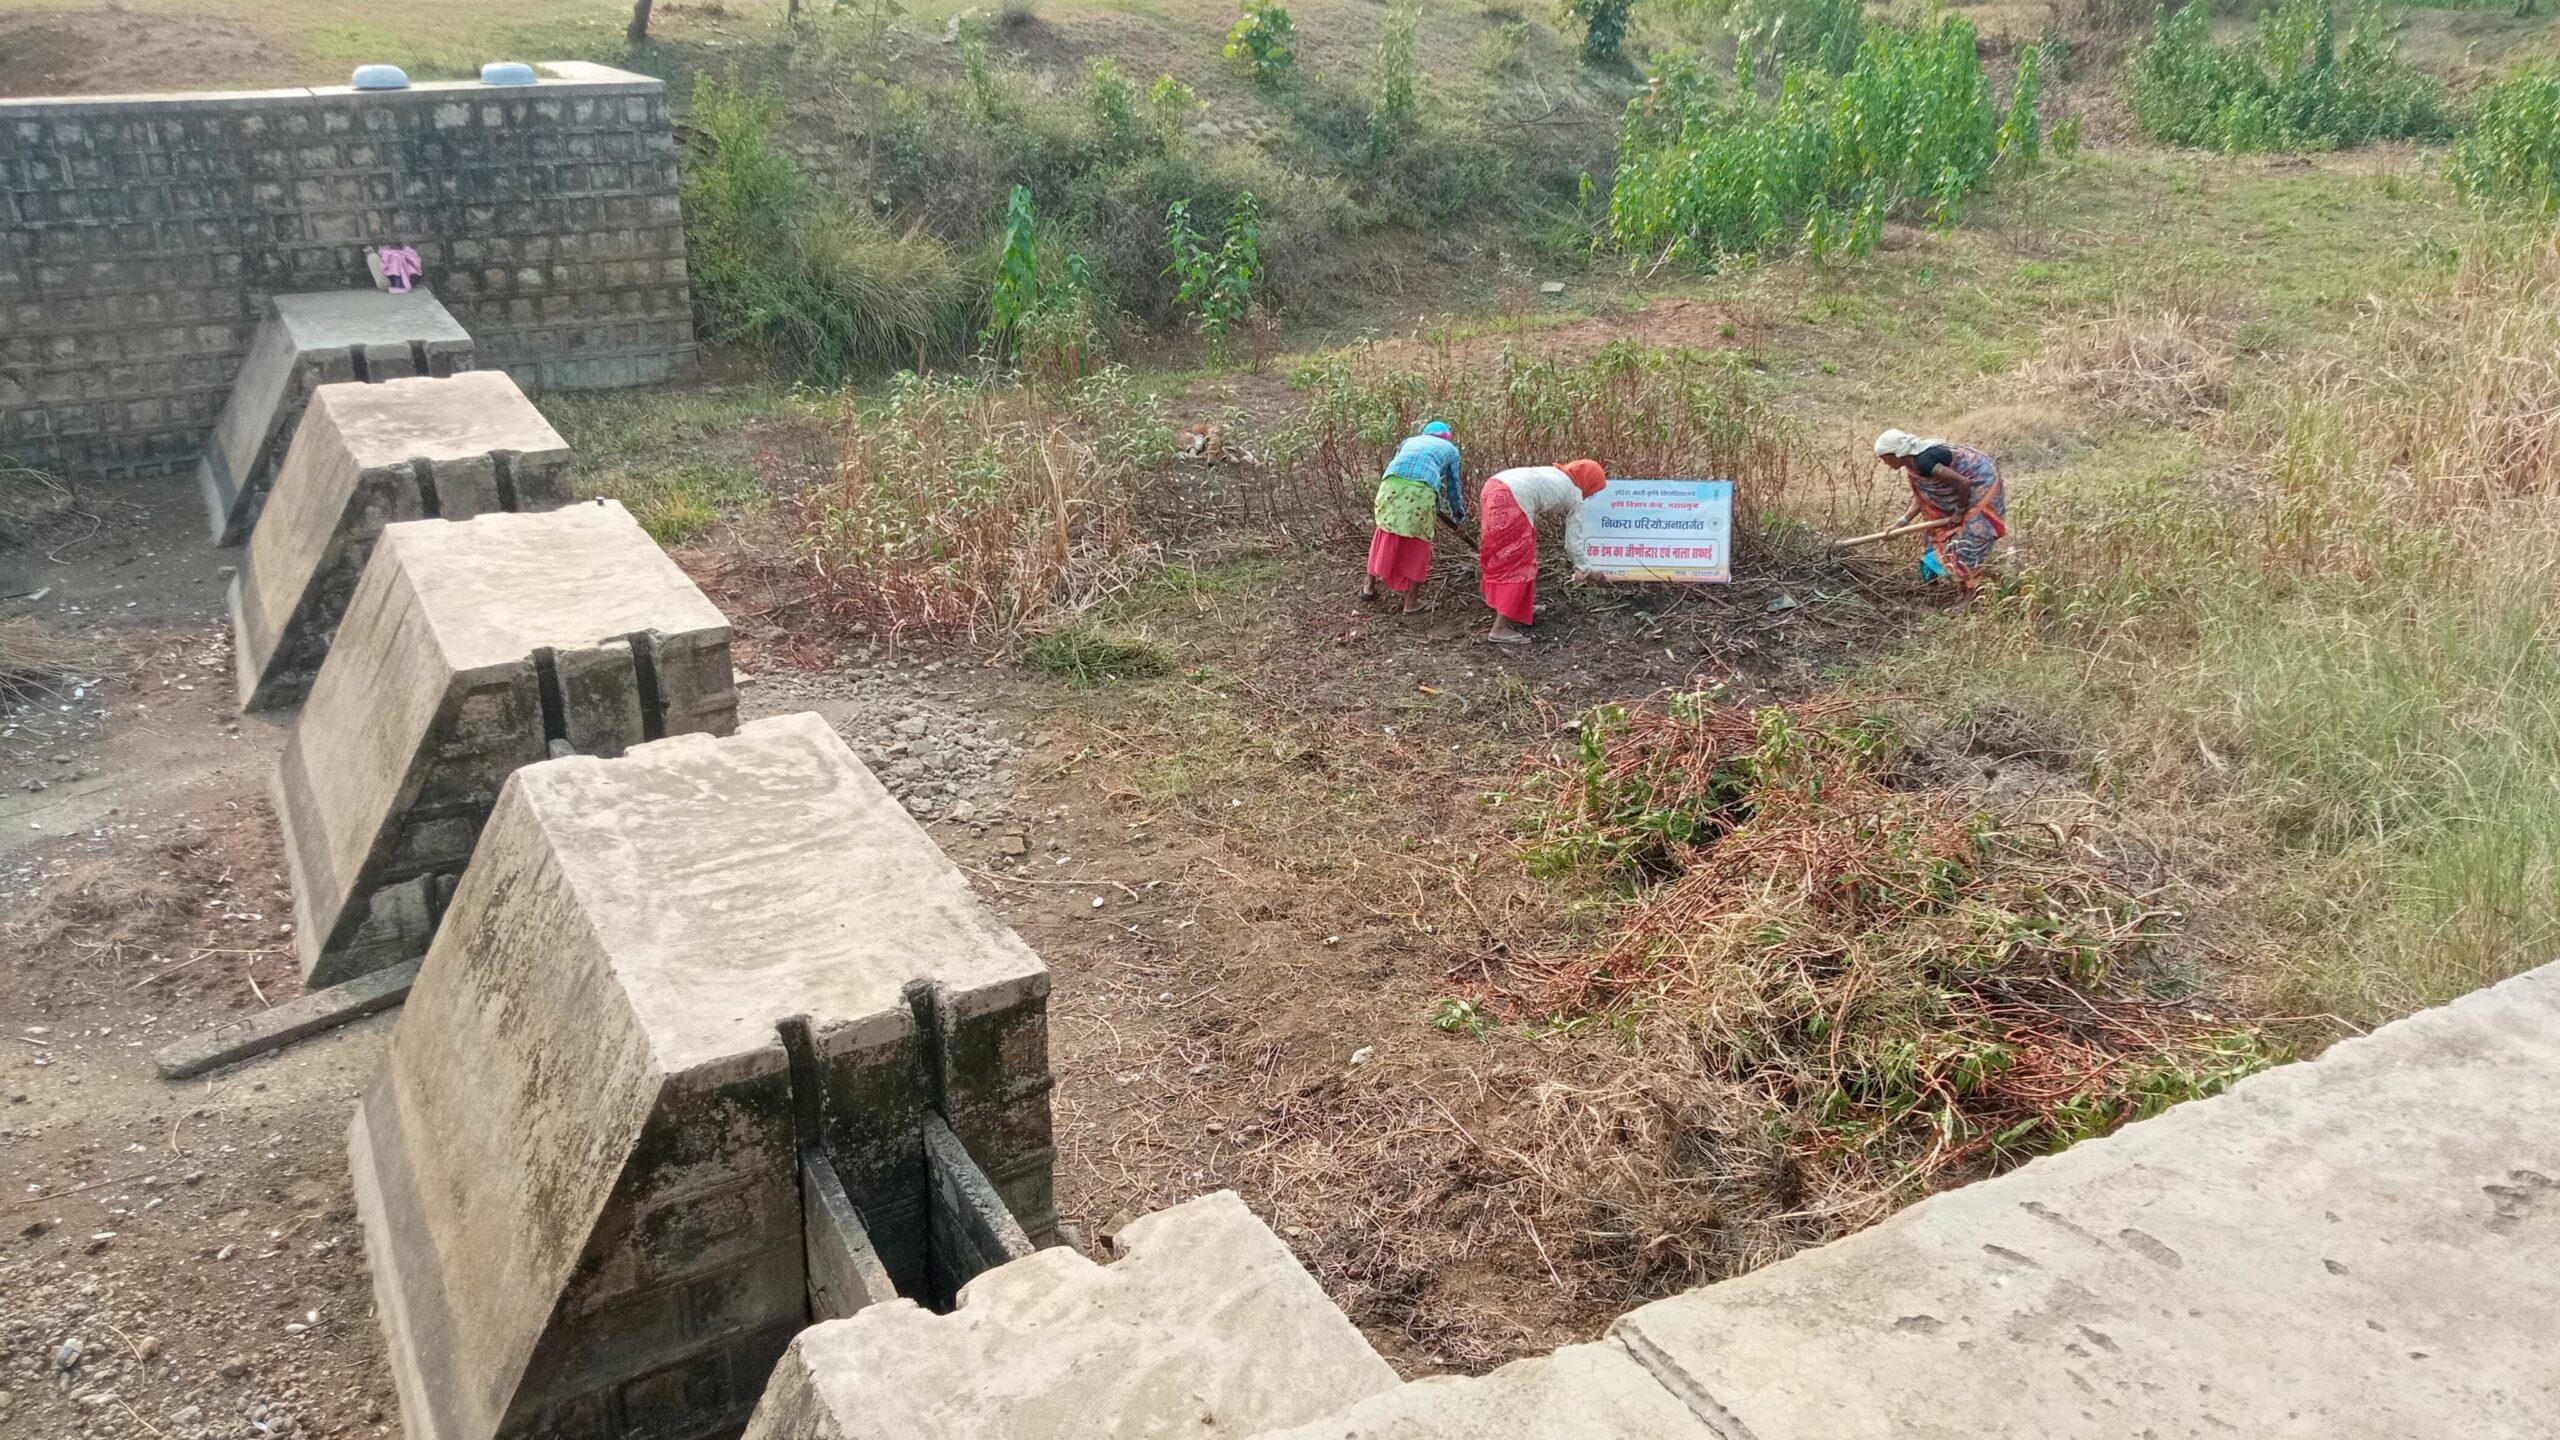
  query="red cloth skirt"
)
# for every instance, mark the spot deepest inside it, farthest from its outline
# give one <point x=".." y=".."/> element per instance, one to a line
<point x="1509" y="556"/>
<point x="1399" y="560"/>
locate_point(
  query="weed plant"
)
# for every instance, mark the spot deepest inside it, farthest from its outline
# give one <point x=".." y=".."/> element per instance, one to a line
<point x="779" y="262"/>
<point x="2510" y="153"/>
<point x="1604" y="25"/>
<point x="1263" y="43"/>
<point x="1398" y="97"/>
<point x="2289" y="85"/>
<point x="1707" y="169"/>
<point x="1217" y="279"/>
<point x="965" y="509"/>
<point x="1645" y="411"/>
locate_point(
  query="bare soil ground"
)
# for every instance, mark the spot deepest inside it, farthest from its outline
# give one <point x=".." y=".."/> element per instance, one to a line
<point x="112" y="51"/>
<point x="1268" y="835"/>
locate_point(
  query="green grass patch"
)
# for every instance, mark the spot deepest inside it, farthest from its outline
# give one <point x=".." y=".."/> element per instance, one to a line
<point x="1093" y="655"/>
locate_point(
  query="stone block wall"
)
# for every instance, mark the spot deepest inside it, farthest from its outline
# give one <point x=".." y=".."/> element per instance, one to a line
<point x="141" y="237"/>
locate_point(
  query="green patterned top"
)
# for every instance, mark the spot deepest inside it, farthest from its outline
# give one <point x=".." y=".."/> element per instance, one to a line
<point x="1404" y="507"/>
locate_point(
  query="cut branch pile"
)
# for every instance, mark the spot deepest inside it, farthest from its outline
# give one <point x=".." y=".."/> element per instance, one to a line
<point x="1917" y="992"/>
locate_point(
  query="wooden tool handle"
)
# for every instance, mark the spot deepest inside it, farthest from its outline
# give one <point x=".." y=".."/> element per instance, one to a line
<point x="1914" y="528"/>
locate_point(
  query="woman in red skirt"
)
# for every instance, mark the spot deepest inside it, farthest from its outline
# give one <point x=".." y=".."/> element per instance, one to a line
<point x="1515" y="506"/>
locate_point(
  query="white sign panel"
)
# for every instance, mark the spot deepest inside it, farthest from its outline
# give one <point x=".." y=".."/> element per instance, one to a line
<point x="1661" y="530"/>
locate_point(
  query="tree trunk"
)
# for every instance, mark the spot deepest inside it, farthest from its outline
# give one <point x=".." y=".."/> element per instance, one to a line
<point x="639" y="30"/>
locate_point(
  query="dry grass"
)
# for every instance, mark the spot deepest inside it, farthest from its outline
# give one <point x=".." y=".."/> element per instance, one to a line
<point x="1641" y="410"/>
<point x="35" y="658"/>
<point x="1912" y="990"/>
<point x="961" y="510"/>
<point x="1597" y="1179"/>
<point x="35" y="507"/>
<point x="2168" y="366"/>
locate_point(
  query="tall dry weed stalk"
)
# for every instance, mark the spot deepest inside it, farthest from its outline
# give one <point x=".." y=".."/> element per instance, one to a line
<point x="967" y="510"/>
<point x="1635" y="409"/>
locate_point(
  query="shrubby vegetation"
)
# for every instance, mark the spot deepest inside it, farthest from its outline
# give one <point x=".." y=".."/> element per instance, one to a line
<point x="781" y="262"/>
<point x="2289" y="85"/>
<point x="1909" y="127"/>
<point x="1262" y="42"/>
<point x="2511" y="153"/>
<point x="1604" y="24"/>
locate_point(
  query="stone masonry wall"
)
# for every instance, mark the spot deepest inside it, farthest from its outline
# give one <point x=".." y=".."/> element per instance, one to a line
<point x="140" y="238"/>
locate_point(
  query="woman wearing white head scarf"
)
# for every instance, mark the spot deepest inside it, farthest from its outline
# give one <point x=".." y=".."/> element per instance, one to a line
<point x="1957" y="484"/>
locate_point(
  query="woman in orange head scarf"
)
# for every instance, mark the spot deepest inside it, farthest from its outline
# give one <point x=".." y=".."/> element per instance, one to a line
<point x="1516" y="505"/>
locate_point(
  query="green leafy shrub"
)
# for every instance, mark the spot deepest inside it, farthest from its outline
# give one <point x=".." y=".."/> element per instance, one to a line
<point x="1302" y="218"/>
<point x="1397" y="99"/>
<point x="1219" y="282"/>
<point x="2288" y="85"/>
<point x="1049" y="323"/>
<point x="1114" y="101"/>
<point x="2065" y="137"/>
<point x="1261" y="42"/>
<point x="778" y="261"/>
<point x="1604" y="25"/>
<point x="1017" y="285"/>
<point x="2511" y="153"/>
<point x="2020" y="142"/>
<point x="1704" y="170"/>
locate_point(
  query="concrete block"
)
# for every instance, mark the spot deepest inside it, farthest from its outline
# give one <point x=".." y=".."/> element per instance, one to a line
<point x="1205" y="1327"/>
<point x="366" y="456"/>
<point x="305" y="342"/>
<point x="2367" y="1245"/>
<point x="663" y="977"/>
<point x="469" y="648"/>
<point x="1582" y="1392"/>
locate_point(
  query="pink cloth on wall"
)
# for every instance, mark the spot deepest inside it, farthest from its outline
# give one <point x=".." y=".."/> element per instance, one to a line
<point x="400" y="266"/>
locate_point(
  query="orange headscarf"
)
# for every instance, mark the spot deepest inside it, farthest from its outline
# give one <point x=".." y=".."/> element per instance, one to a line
<point x="1587" y="475"/>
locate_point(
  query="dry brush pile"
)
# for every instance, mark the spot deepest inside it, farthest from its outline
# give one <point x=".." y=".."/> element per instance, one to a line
<point x="1911" y="990"/>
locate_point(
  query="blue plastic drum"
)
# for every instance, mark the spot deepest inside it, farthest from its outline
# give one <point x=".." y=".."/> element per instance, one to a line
<point x="380" y="77"/>
<point x="506" y="72"/>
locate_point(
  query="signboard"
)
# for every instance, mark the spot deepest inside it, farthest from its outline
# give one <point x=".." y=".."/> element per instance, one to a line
<point x="1661" y="530"/>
